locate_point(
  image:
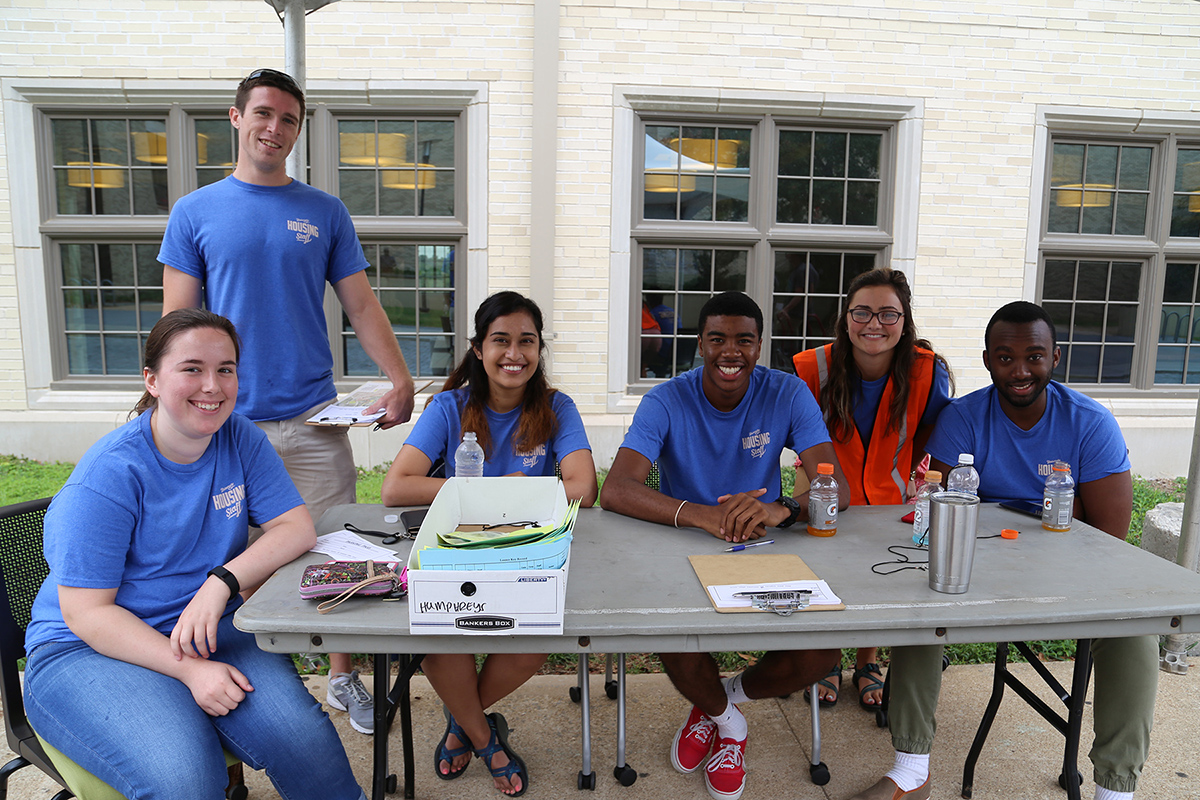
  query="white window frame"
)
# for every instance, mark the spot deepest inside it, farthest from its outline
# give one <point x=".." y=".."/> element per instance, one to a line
<point x="27" y="99"/>
<point x="632" y="102"/>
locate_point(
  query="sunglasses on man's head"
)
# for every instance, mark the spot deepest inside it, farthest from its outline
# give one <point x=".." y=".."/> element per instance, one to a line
<point x="272" y="74"/>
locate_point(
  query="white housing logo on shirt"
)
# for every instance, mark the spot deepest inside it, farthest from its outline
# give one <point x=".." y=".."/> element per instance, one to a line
<point x="230" y="499"/>
<point x="531" y="458"/>
<point x="756" y="442"/>
<point x="305" y="230"/>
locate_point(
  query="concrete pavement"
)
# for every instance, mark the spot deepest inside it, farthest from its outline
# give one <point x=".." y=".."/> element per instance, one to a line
<point x="1021" y="759"/>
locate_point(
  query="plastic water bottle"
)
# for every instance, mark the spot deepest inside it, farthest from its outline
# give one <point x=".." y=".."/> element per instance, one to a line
<point x="933" y="480"/>
<point x="964" y="478"/>
<point x="1058" y="501"/>
<point x="823" y="502"/>
<point x="468" y="458"/>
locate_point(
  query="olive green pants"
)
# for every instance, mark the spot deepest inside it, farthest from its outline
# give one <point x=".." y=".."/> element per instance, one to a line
<point x="1126" y="681"/>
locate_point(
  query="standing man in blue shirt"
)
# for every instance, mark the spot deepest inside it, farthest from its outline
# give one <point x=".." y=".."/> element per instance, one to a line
<point x="717" y="433"/>
<point x="1017" y="428"/>
<point x="259" y="248"/>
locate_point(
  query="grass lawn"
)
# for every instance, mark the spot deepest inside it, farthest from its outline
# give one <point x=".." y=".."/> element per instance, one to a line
<point x="22" y="479"/>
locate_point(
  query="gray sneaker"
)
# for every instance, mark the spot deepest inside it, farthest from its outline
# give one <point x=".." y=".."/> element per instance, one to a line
<point x="347" y="693"/>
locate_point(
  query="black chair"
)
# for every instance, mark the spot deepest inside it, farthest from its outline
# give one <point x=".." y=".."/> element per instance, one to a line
<point x="23" y="567"/>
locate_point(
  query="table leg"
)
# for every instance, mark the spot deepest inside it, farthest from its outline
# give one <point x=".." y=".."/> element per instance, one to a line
<point x="587" y="777"/>
<point x="989" y="716"/>
<point x="379" y="772"/>
<point x="1079" y="683"/>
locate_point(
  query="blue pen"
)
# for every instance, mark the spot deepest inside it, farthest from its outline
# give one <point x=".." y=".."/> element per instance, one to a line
<point x="737" y="548"/>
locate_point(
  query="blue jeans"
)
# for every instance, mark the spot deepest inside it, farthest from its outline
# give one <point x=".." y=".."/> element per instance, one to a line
<point x="143" y="734"/>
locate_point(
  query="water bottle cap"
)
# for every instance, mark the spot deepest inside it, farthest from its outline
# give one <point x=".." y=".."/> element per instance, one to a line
<point x="824" y="469"/>
<point x="1060" y="466"/>
<point x="933" y="476"/>
<point x="470" y="436"/>
<point x="966" y="458"/>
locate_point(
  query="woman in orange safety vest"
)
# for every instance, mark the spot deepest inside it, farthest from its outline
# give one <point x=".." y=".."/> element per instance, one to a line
<point x="881" y="389"/>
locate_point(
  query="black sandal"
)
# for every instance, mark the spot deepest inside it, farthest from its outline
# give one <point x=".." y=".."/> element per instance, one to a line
<point x="448" y="754"/>
<point x="828" y="681"/>
<point x="871" y="672"/>
<point x="498" y="742"/>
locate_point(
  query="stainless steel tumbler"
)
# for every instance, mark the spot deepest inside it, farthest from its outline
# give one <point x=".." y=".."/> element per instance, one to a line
<point x="953" y="518"/>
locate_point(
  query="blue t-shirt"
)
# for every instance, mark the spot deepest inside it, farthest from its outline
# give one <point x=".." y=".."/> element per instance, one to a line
<point x="437" y="434"/>
<point x="865" y="397"/>
<point x="703" y="453"/>
<point x="130" y="518"/>
<point x="1012" y="463"/>
<point x="264" y="255"/>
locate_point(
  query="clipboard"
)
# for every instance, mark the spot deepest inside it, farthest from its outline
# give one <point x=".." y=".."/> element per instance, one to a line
<point x="716" y="569"/>
<point x="346" y="413"/>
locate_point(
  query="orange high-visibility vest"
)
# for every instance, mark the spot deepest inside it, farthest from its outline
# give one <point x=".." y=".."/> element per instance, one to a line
<point x="878" y="476"/>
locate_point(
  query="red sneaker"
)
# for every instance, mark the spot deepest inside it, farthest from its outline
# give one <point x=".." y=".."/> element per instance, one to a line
<point x="725" y="775"/>
<point x="692" y="742"/>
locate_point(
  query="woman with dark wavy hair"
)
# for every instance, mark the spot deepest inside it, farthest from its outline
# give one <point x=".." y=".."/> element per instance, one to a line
<point x="881" y="388"/>
<point x="499" y="390"/>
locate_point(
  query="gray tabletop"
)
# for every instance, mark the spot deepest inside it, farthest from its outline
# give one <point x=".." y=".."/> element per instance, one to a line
<point x="632" y="589"/>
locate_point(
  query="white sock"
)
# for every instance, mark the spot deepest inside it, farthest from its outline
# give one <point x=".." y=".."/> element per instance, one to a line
<point x="734" y="690"/>
<point x="910" y="770"/>
<point x="731" y="724"/>
<point x="1109" y="794"/>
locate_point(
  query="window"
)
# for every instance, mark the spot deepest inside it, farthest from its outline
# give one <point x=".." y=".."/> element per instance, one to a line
<point x="107" y="172"/>
<point x="785" y="211"/>
<point x="1119" y="253"/>
<point x="398" y="176"/>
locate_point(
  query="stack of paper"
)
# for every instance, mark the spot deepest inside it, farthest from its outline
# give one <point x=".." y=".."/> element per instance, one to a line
<point x="481" y="547"/>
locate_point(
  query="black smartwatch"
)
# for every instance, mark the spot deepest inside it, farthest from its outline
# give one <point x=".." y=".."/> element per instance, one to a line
<point x="230" y="580"/>
<point x="793" y="511"/>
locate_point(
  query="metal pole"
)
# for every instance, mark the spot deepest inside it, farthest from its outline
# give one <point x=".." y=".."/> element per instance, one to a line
<point x="1174" y="655"/>
<point x="295" y="64"/>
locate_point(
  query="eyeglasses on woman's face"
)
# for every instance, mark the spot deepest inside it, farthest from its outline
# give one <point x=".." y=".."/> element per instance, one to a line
<point x="862" y="315"/>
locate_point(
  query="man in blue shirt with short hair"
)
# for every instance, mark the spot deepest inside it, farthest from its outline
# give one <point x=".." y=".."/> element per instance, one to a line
<point x="259" y="248"/>
<point x="717" y="433"/>
<point x="1016" y="429"/>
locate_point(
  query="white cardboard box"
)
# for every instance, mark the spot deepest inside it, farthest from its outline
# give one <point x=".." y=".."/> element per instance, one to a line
<point x="488" y="601"/>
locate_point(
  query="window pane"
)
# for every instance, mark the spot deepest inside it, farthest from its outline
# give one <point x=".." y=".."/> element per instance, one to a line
<point x="82" y="309"/>
<point x="121" y="355"/>
<point x="397" y="168"/>
<point x="1185" y="206"/>
<point x="78" y="264"/>
<point x="397" y="265"/>
<point x="116" y="264"/>
<point x="793" y="201"/>
<point x="356" y="189"/>
<point x="1118" y="365"/>
<point x="1179" y="284"/>
<point x="1135" y="168"/>
<point x="1094" y="306"/>
<point x="695" y="272"/>
<point x="864" y="155"/>
<point x="730" y="271"/>
<point x="83" y="354"/>
<point x="1124" y="281"/>
<point x="658" y="268"/>
<point x="1083" y="184"/>
<point x="1059" y="281"/>
<point x="827" y="202"/>
<point x="696" y="204"/>
<point x="862" y="203"/>
<point x="437" y="200"/>
<point x="1085" y="364"/>
<point x="1093" y="280"/>
<point x="795" y="153"/>
<point x="119" y="309"/>
<point x="829" y="155"/>
<point x="733" y="199"/>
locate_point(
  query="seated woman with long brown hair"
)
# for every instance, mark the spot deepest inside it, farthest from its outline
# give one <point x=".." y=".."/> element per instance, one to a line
<point x="499" y="390"/>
